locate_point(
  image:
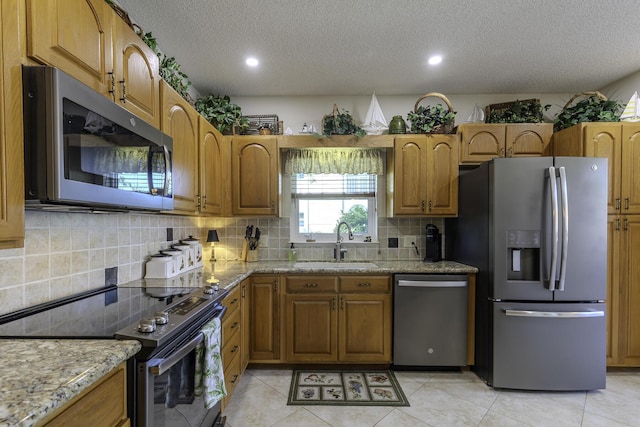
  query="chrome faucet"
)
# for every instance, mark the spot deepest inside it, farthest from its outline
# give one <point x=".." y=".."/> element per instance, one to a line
<point x="338" y="251"/>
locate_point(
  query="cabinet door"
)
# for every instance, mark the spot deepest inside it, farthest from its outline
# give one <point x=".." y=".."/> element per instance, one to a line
<point x="528" y="139"/>
<point x="75" y="36"/>
<point x="605" y="140"/>
<point x="442" y="175"/>
<point x="630" y="292"/>
<point x="265" y="314"/>
<point x="137" y="77"/>
<point x="614" y="230"/>
<point x="254" y="166"/>
<point x="11" y="133"/>
<point x="311" y="328"/>
<point x="245" y="309"/>
<point x="365" y="328"/>
<point x="180" y="121"/>
<point x="480" y="143"/>
<point x="410" y="175"/>
<point x="211" y="168"/>
<point x="630" y="191"/>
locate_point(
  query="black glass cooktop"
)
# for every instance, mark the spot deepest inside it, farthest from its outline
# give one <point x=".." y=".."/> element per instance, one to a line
<point x="94" y="314"/>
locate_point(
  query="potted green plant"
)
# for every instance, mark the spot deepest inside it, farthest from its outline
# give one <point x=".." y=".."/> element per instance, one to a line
<point x="526" y="111"/>
<point x="594" y="108"/>
<point x="220" y="112"/>
<point x="432" y="119"/>
<point x="340" y="123"/>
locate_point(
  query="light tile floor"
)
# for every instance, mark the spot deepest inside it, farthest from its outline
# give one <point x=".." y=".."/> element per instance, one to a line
<point x="439" y="399"/>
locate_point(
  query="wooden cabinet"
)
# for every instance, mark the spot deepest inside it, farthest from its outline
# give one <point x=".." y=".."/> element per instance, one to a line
<point x="89" y="41"/>
<point x="103" y="404"/>
<point x="232" y="330"/>
<point x="180" y="121"/>
<point x="213" y="169"/>
<point x="254" y="175"/>
<point x="135" y="78"/>
<point x="245" y="309"/>
<point x="11" y="133"/>
<point x="264" y="303"/>
<point x="425" y="175"/>
<point x="338" y="319"/>
<point x="75" y="36"/>
<point x="482" y="142"/>
<point x="618" y="142"/>
<point x="623" y="346"/>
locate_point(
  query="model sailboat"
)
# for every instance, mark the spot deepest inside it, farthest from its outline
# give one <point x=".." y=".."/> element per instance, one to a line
<point x="374" y="123"/>
<point x="631" y="113"/>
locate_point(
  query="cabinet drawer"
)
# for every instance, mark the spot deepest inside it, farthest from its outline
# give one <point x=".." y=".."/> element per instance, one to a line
<point x="365" y="284"/>
<point x="312" y="284"/>
<point x="232" y="300"/>
<point x="232" y="375"/>
<point x="230" y="348"/>
<point x="230" y="326"/>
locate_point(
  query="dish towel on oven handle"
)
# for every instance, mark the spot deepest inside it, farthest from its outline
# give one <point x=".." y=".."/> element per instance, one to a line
<point x="209" y="372"/>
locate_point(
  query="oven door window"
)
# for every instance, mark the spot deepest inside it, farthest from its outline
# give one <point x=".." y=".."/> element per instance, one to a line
<point x="172" y="400"/>
<point x="100" y="152"/>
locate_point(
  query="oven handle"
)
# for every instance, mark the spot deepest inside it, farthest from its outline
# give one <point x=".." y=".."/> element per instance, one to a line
<point x="160" y="366"/>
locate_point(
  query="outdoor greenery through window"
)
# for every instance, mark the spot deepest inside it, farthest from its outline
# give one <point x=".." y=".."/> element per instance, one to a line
<point x="320" y="202"/>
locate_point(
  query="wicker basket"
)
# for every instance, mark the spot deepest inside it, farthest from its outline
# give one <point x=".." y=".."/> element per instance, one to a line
<point x="438" y="128"/>
<point x="587" y="94"/>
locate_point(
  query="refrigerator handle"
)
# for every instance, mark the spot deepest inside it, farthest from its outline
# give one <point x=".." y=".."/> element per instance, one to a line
<point x="553" y="314"/>
<point x="554" y="227"/>
<point x="565" y="227"/>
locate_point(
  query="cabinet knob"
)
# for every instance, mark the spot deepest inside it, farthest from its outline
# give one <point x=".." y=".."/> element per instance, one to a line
<point x="502" y="152"/>
<point x="618" y="204"/>
<point x="342" y="303"/>
<point x="423" y="205"/>
<point x="124" y="91"/>
<point x="112" y="85"/>
<point x="430" y="205"/>
<point x="626" y="203"/>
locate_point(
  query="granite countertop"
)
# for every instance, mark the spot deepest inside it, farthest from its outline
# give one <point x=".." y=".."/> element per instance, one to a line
<point x="231" y="273"/>
<point x="38" y="376"/>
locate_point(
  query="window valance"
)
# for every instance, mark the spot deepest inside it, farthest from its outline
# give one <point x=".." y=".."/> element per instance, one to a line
<point x="334" y="160"/>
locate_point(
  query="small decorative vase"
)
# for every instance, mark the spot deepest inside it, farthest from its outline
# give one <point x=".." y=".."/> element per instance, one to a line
<point x="397" y="125"/>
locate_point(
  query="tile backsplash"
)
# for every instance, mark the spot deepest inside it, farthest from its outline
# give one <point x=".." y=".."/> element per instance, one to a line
<point x="66" y="253"/>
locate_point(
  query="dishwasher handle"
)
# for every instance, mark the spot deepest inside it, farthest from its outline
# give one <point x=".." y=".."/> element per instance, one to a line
<point x="432" y="283"/>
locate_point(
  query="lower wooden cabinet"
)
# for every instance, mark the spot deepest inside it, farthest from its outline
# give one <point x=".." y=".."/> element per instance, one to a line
<point x="232" y="330"/>
<point x="102" y="405"/>
<point x="264" y="313"/>
<point x="338" y="319"/>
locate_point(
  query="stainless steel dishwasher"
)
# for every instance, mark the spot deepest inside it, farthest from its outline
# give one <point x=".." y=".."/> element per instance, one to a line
<point x="430" y="320"/>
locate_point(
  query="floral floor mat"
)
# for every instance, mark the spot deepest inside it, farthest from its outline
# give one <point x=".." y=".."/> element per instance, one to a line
<point x="355" y="388"/>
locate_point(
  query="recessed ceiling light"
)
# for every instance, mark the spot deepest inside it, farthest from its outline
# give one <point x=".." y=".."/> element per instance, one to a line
<point x="252" y="62"/>
<point x="435" y="60"/>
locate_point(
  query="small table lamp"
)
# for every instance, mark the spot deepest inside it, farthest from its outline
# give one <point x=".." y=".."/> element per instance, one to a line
<point x="212" y="237"/>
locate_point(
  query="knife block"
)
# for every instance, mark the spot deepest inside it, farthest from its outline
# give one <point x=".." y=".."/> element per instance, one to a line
<point x="252" y="255"/>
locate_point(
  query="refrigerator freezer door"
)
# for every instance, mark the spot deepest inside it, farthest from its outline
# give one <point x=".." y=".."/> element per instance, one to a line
<point x="584" y="230"/>
<point x="549" y="346"/>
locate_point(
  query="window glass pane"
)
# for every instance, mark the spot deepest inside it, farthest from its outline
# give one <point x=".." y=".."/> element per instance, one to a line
<point x="323" y="215"/>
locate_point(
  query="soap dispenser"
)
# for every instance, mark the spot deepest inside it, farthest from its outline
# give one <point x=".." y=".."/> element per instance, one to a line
<point x="292" y="253"/>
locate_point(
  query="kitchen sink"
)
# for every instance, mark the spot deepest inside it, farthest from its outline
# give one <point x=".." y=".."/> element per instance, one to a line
<point x="333" y="264"/>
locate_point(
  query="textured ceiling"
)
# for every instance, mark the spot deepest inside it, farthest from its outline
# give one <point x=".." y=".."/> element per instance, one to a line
<point x="355" y="47"/>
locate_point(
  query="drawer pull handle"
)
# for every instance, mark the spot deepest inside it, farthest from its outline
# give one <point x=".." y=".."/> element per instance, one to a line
<point x="364" y="285"/>
<point x="234" y="349"/>
<point x="235" y="378"/>
<point x="234" y="325"/>
<point x="311" y="285"/>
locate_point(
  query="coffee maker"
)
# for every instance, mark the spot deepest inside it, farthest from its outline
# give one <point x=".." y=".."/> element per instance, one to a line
<point x="433" y="249"/>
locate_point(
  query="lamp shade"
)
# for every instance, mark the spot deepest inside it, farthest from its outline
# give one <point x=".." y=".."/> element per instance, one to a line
<point x="212" y="236"/>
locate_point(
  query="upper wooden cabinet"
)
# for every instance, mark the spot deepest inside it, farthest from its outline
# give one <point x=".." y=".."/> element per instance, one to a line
<point x="89" y="41"/>
<point x="11" y="133"/>
<point x="136" y="74"/>
<point x="425" y="175"/>
<point x="618" y="142"/>
<point x="482" y="142"/>
<point x="213" y="169"/>
<point x="180" y="121"/>
<point x="254" y="175"/>
<point x="75" y="36"/>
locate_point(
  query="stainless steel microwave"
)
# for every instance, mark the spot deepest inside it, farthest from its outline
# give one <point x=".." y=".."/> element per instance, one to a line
<point x="83" y="151"/>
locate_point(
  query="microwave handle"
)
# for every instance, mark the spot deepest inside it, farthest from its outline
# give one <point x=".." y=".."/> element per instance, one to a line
<point x="165" y="152"/>
<point x="167" y="165"/>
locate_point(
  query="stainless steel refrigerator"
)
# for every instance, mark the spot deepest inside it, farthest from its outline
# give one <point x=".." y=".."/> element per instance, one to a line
<point x="536" y="228"/>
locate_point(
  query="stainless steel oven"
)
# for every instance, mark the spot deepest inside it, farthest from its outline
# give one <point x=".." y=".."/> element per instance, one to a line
<point x="166" y="390"/>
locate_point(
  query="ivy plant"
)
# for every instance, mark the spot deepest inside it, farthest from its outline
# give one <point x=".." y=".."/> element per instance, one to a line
<point x="590" y="109"/>
<point x="431" y="119"/>
<point x="341" y="123"/>
<point x="220" y="112"/>
<point x="519" y="112"/>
